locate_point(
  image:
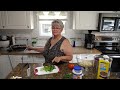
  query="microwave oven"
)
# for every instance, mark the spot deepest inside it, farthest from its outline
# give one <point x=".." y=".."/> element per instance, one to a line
<point x="109" y="22"/>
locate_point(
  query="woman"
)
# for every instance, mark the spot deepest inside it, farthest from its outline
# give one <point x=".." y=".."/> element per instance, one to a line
<point x="57" y="49"/>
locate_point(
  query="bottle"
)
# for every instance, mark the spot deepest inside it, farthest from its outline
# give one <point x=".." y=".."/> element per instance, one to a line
<point x="74" y="43"/>
<point x="13" y="40"/>
<point x="28" y="71"/>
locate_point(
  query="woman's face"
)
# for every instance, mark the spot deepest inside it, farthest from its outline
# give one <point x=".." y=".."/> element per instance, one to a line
<point x="56" y="29"/>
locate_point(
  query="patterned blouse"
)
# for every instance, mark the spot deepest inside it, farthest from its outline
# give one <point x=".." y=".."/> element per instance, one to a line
<point x="51" y="53"/>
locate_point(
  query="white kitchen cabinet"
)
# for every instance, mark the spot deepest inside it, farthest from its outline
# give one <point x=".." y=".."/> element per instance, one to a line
<point x="16" y="59"/>
<point x="27" y="59"/>
<point x="38" y="59"/>
<point x="85" y="20"/>
<point x="17" y="20"/>
<point x="5" y="66"/>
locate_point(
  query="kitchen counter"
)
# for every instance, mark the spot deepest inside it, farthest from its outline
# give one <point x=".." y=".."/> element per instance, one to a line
<point x="90" y="74"/>
<point x="76" y="50"/>
<point x="82" y="50"/>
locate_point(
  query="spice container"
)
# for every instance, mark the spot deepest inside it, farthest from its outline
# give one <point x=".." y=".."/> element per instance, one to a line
<point x="77" y="72"/>
<point x="77" y="69"/>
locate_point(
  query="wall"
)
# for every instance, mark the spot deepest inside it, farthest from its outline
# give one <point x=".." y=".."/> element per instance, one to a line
<point x="23" y="35"/>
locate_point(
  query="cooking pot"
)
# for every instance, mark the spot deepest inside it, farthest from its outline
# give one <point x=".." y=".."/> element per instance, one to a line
<point x="4" y="44"/>
<point x="3" y="38"/>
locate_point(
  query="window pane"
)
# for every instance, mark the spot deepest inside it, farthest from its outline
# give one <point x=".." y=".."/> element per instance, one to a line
<point x="56" y="15"/>
<point x="45" y="19"/>
<point x="45" y="28"/>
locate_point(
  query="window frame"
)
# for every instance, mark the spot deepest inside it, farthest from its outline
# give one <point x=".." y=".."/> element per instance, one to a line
<point x="41" y="32"/>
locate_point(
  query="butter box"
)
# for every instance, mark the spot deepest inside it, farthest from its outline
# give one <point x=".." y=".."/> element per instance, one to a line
<point x="102" y="67"/>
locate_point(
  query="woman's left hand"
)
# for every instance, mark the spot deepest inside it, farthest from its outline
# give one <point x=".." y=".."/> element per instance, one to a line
<point x="56" y="59"/>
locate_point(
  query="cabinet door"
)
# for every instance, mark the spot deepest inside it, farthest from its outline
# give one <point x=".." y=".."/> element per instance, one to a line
<point x="18" y="20"/>
<point x="1" y="19"/>
<point x="5" y="66"/>
<point x="85" y="20"/>
<point x="15" y="59"/>
<point x="27" y="59"/>
<point x="38" y="59"/>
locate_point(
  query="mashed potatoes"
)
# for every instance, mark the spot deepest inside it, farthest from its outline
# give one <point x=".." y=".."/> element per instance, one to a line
<point x="85" y="63"/>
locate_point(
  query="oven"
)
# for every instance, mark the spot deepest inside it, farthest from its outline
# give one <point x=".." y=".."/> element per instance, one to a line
<point x="110" y="48"/>
<point x="115" y="67"/>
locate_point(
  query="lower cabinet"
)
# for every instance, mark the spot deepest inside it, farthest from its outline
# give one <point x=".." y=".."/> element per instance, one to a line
<point x="5" y="66"/>
<point x="38" y="59"/>
<point x="7" y="62"/>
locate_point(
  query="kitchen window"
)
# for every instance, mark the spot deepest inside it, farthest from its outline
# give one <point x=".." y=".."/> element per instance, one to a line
<point x="45" y="19"/>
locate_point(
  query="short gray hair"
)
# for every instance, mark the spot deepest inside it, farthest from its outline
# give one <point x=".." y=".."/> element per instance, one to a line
<point x="58" y="21"/>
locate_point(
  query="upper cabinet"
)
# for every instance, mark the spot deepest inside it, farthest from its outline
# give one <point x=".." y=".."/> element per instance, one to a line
<point x="16" y="20"/>
<point x="1" y="25"/>
<point x="85" y="20"/>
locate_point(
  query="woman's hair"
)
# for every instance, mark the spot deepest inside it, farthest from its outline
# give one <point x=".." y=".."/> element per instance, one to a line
<point x="58" y="21"/>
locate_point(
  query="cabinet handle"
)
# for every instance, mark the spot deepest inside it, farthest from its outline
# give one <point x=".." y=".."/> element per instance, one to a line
<point x="27" y="26"/>
<point x="3" y="26"/>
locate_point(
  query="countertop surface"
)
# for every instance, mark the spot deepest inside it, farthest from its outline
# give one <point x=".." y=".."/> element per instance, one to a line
<point x="21" y="70"/>
<point x="76" y="50"/>
<point x="82" y="50"/>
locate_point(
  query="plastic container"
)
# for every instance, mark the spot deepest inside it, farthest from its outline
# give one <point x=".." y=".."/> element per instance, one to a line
<point x="77" y="72"/>
<point x="77" y="69"/>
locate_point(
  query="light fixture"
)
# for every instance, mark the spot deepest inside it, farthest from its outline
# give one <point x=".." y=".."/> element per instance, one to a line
<point x="51" y="13"/>
<point x="63" y="13"/>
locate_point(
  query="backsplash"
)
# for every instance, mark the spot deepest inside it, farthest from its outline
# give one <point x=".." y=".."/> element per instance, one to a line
<point x="25" y="36"/>
<point x="78" y="36"/>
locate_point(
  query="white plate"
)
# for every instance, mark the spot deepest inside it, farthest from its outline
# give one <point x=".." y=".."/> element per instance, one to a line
<point x="43" y="72"/>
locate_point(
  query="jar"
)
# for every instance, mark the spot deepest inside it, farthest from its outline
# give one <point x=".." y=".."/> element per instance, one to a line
<point x="77" y="69"/>
<point x="77" y="72"/>
<point x="77" y="76"/>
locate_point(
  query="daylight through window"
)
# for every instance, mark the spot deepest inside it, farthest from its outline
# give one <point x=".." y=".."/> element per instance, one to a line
<point x="45" y="19"/>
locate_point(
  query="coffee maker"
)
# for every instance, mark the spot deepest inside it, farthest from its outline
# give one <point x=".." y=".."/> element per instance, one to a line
<point x="89" y="40"/>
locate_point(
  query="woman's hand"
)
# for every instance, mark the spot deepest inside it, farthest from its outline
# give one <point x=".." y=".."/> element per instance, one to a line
<point x="56" y="59"/>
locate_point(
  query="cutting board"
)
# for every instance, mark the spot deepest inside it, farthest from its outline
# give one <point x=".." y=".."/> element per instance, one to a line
<point x="43" y="72"/>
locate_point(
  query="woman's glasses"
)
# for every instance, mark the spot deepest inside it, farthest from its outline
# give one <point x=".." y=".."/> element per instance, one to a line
<point x="56" y="28"/>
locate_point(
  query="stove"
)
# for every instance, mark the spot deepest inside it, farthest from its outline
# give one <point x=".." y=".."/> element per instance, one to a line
<point x="110" y="48"/>
<point x="104" y="50"/>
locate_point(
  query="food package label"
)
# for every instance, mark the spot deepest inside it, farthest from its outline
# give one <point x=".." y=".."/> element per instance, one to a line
<point x="103" y="69"/>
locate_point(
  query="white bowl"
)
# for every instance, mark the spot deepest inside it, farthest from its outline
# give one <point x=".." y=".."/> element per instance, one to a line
<point x="4" y="44"/>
